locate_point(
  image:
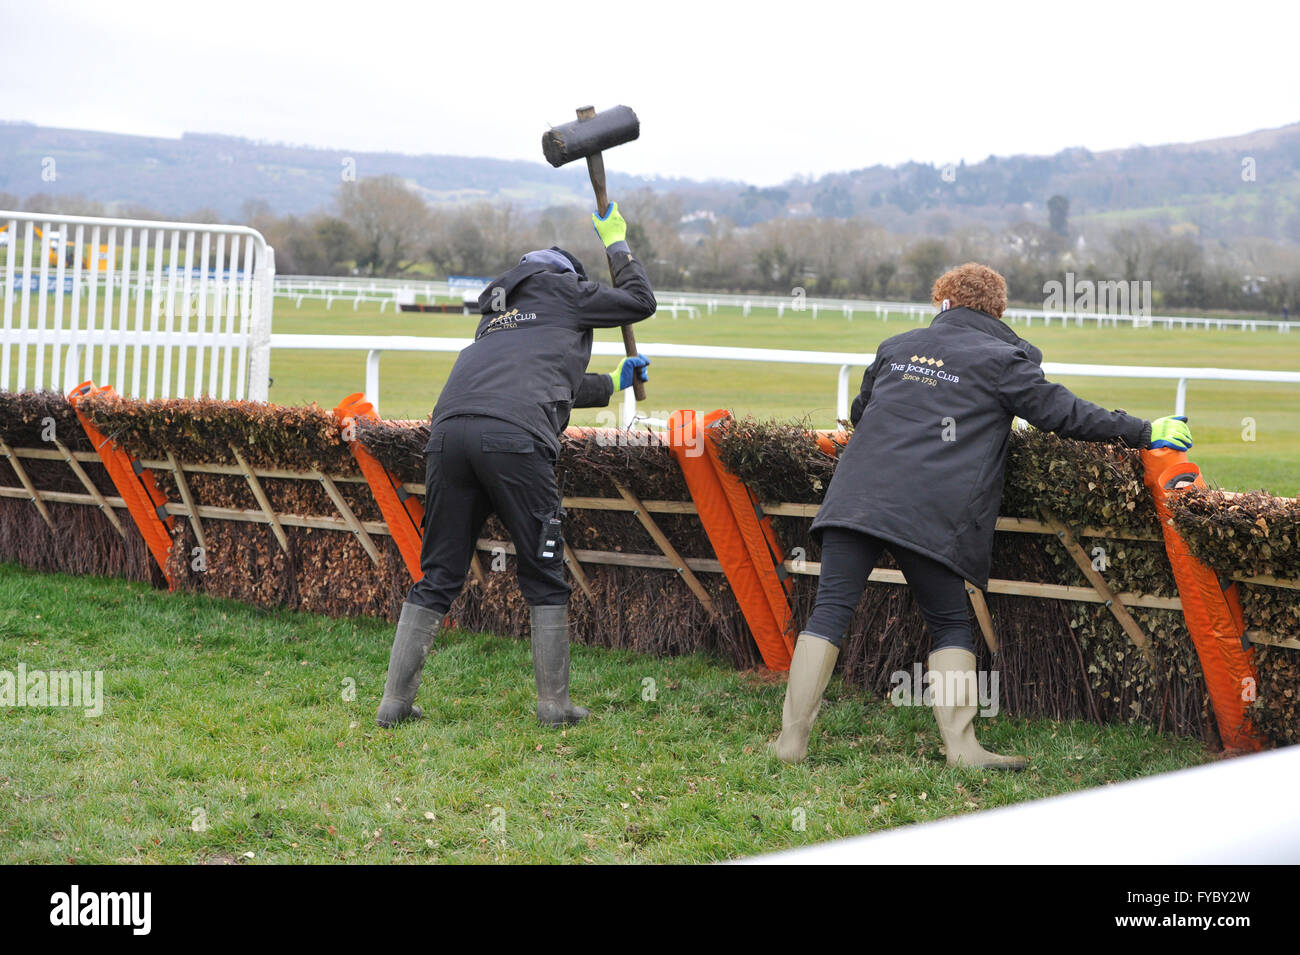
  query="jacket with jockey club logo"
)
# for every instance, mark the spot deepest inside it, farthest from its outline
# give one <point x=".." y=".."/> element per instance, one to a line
<point x="924" y="466"/>
<point x="528" y="361"/>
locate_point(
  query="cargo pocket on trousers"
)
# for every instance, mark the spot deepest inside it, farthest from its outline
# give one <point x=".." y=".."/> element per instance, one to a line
<point x="507" y="443"/>
<point x="434" y="445"/>
<point x="550" y="541"/>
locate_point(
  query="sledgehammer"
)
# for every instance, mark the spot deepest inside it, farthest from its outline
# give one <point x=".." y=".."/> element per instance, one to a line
<point x="584" y="138"/>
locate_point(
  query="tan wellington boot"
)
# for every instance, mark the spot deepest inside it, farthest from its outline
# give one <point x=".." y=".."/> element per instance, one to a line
<point x="810" y="671"/>
<point x="955" y="705"/>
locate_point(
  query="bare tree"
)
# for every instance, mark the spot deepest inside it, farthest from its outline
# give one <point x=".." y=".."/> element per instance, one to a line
<point x="390" y="220"/>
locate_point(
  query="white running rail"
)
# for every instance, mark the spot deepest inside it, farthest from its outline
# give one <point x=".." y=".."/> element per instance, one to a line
<point x="155" y="309"/>
<point x="375" y="346"/>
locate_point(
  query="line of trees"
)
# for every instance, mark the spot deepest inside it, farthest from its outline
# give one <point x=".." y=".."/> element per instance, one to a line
<point x="380" y="226"/>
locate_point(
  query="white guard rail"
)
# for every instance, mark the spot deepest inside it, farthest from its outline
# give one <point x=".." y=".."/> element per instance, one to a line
<point x="375" y="346"/>
<point x="155" y="309"/>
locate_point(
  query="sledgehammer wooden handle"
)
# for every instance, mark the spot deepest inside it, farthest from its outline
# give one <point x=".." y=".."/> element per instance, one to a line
<point x="596" y="170"/>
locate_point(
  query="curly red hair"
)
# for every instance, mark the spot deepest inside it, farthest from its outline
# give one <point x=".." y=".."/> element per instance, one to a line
<point x="974" y="286"/>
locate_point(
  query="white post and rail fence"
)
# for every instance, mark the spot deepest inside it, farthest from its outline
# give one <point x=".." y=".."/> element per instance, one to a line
<point x="176" y="309"/>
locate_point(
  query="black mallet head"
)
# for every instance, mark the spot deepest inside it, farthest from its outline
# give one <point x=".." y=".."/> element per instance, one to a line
<point x="585" y="137"/>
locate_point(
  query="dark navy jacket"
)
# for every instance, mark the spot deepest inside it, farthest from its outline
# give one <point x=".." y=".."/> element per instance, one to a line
<point x="924" y="466"/>
<point x="529" y="357"/>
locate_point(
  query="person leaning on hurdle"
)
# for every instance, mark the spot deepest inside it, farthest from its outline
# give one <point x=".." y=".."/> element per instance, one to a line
<point x="494" y="445"/>
<point x="922" y="477"/>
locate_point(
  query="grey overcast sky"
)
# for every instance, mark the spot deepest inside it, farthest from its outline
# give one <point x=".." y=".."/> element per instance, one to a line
<point x="755" y="91"/>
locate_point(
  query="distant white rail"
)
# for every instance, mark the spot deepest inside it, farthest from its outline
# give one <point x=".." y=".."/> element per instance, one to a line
<point x="357" y="290"/>
<point x="375" y="346"/>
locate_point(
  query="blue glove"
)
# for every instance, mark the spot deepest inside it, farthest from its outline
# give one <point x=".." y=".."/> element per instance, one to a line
<point x="1171" y="433"/>
<point x="622" y="376"/>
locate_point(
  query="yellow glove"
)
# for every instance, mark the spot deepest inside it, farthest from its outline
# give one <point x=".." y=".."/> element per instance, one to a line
<point x="610" y="227"/>
<point x="1171" y="433"/>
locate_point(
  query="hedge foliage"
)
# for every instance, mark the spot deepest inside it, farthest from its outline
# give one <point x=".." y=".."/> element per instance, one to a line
<point x="203" y="431"/>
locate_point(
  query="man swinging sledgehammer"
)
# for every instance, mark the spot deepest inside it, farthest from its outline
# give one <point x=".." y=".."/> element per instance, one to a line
<point x="494" y="444"/>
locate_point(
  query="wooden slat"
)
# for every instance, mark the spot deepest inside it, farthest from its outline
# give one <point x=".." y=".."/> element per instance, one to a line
<point x="1014" y="588"/>
<point x="601" y="503"/>
<point x="575" y="568"/>
<point x="476" y="569"/>
<point x="44" y="454"/>
<point x="618" y="558"/>
<point x="791" y="510"/>
<point x="183" y="487"/>
<point x="349" y="517"/>
<point x="206" y="511"/>
<point x="1116" y="607"/>
<point x="62" y="497"/>
<point x="1020" y="525"/>
<point x="89" y="485"/>
<point x="622" y="504"/>
<point x="1020" y="588"/>
<point x="33" y="495"/>
<point x="157" y="465"/>
<point x="1266" y="581"/>
<point x="983" y="616"/>
<point x="666" y="546"/>
<point x="256" y="486"/>
<point x="277" y="473"/>
<point x="1273" y="640"/>
<point x="288" y="520"/>
<point x="1025" y="525"/>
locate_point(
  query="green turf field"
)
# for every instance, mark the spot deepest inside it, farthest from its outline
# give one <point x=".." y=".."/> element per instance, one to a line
<point x="232" y="734"/>
<point x="1218" y="410"/>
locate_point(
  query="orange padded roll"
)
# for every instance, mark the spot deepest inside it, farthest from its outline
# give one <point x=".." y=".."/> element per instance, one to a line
<point x="402" y="511"/>
<point x="733" y="544"/>
<point x="1212" y="610"/>
<point x="136" y="485"/>
<point x="756" y="531"/>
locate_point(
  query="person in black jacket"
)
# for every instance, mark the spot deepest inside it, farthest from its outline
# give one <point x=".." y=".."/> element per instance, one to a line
<point x="493" y="446"/>
<point x="922" y="476"/>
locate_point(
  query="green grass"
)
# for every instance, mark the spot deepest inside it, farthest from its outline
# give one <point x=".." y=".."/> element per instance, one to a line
<point x="222" y="714"/>
<point x="410" y="383"/>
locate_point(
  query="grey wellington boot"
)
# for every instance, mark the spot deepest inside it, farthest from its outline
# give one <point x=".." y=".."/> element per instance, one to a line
<point x="416" y="629"/>
<point x="810" y="671"/>
<point x="955" y="697"/>
<point x="551" y="667"/>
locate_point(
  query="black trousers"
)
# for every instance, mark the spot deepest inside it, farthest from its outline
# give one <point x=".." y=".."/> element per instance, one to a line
<point x="848" y="558"/>
<point x="475" y="467"/>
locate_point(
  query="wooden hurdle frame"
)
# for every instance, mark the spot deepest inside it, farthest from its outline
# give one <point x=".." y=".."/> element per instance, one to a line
<point x="664" y="556"/>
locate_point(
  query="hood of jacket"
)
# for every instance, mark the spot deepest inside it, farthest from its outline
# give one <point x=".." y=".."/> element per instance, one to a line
<point x="981" y="321"/>
<point x="508" y="282"/>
